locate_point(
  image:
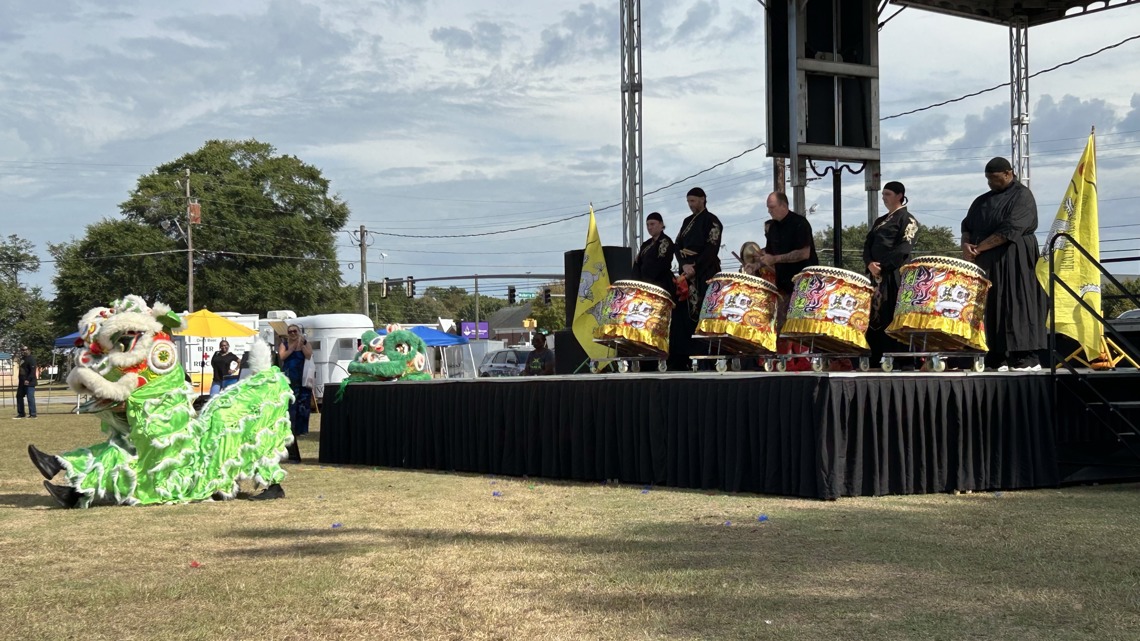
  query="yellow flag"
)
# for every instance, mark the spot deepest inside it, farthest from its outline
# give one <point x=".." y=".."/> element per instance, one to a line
<point x="1077" y="217"/>
<point x="592" y="290"/>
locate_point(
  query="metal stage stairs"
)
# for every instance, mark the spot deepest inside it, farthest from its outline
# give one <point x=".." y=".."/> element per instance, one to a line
<point x="1096" y="413"/>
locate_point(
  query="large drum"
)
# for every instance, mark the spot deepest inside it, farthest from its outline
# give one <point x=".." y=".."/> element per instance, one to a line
<point x="741" y="311"/>
<point x="944" y="299"/>
<point x="637" y="315"/>
<point x="832" y="307"/>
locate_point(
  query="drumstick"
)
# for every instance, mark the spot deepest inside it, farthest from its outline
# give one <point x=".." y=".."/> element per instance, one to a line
<point x="737" y="257"/>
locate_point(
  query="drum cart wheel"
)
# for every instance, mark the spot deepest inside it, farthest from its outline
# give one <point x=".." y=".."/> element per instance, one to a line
<point x="888" y="364"/>
<point x="593" y="367"/>
<point x="721" y="365"/>
<point x="816" y="364"/>
<point x="623" y="367"/>
<point x="768" y="365"/>
<point x="635" y="366"/>
<point x="936" y="364"/>
<point x="781" y="365"/>
<point x="864" y="364"/>
<point x="693" y="364"/>
<point x="734" y="364"/>
<point x="662" y="365"/>
<point x="979" y="364"/>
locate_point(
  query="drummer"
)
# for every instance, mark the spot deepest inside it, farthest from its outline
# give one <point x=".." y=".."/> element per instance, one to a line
<point x="697" y="250"/>
<point x="654" y="262"/>
<point x="887" y="247"/>
<point x="790" y="246"/>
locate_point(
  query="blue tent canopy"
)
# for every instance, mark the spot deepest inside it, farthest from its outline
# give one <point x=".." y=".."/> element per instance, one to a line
<point x="67" y="341"/>
<point x="434" y="337"/>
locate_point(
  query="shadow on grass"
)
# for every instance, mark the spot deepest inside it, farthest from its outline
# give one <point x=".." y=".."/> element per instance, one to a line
<point x="27" y="500"/>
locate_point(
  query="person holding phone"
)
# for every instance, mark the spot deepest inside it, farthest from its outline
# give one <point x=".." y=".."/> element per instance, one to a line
<point x="293" y="351"/>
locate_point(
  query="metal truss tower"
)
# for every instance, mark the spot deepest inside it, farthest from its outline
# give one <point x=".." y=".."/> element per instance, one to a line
<point x="632" y="227"/>
<point x="1019" y="96"/>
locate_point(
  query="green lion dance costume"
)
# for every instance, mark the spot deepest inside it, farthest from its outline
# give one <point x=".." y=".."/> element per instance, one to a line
<point x="398" y="356"/>
<point x="158" y="450"/>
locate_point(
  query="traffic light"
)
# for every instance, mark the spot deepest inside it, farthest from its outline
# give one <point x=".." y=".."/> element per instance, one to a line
<point x="510" y="294"/>
<point x="410" y="287"/>
<point x="546" y="296"/>
<point x="384" y="288"/>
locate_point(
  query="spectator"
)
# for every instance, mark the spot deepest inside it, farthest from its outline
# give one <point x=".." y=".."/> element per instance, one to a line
<point x="540" y="362"/>
<point x="226" y="368"/>
<point x="27" y="384"/>
<point x="294" y="351"/>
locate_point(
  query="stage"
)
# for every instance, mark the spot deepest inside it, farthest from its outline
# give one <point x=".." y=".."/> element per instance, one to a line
<point x="822" y="435"/>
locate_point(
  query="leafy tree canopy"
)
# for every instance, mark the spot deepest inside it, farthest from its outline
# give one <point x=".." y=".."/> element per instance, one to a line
<point x="25" y="317"/>
<point x="266" y="240"/>
<point x="936" y="240"/>
<point x="17" y="257"/>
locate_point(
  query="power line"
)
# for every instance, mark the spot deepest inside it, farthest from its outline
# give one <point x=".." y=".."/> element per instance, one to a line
<point x="562" y="220"/>
<point x="1006" y="84"/>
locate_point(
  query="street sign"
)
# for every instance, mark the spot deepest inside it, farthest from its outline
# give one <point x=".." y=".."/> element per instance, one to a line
<point x="526" y="295"/>
<point x="467" y="328"/>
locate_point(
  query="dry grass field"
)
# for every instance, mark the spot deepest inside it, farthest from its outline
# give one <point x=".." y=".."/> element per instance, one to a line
<point x="362" y="553"/>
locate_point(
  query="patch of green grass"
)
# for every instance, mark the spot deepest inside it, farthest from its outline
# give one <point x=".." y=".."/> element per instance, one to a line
<point x="424" y="555"/>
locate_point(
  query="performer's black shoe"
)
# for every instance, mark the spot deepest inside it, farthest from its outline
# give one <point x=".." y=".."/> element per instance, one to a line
<point x="274" y="491"/>
<point x="65" y="496"/>
<point x="47" y="464"/>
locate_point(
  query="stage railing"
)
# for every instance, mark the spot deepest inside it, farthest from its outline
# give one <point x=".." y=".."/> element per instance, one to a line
<point x="1129" y="435"/>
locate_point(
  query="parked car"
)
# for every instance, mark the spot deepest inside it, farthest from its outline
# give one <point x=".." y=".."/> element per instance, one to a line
<point x="1132" y="314"/>
<point x="504" y="362"/>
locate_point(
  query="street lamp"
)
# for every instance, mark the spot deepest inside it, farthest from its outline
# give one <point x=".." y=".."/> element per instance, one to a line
<point x="382" y="265"/>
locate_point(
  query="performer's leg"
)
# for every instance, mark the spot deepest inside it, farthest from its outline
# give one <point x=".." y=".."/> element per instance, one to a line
<point x="31" y="402"/>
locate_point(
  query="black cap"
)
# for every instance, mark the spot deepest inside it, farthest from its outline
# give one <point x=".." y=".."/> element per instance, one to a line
<point x="896" y="187"/>
<point x="654" y="216"/>
<point x="696" y="191"/>
<point x="998" y="164"/>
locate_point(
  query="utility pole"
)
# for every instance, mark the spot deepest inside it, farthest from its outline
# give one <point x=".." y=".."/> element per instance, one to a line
<point x="476" y="306"/>
<point x="779" y="177"/>
<point x="364" y="269"/>
<point x="189" y="247"/>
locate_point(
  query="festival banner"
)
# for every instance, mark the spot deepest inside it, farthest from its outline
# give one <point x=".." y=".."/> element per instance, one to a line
<point x="1077" y="217"/>
<point x="592" y="290"/>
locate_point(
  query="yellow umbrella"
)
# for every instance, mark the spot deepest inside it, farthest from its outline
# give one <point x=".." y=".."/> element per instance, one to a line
<point x="207" y="324"/>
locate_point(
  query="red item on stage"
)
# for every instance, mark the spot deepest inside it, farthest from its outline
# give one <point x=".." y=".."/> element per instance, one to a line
<point x="682" y="288"/>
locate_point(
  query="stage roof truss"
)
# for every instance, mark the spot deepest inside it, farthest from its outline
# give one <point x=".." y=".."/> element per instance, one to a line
<point x="1036" y="12"/>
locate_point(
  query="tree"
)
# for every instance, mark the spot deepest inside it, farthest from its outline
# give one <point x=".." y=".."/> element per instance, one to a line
<point x="114" y="258"/>
<point x="266" y="238"/>
<point x="25" y="317"/>
<point x="16" y="256"/>
<point x="1114" y="307"/>
<point x="550" y="317"/>
<point x="930" y="240"/>
<point x="434" y="303"/>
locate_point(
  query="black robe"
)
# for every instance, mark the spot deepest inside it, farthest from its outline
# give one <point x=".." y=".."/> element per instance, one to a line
<point x="654" y="263"/>
<point x="1015" y="309"/>
<point x="889" y="243"/>
<point x="698" y="245"/>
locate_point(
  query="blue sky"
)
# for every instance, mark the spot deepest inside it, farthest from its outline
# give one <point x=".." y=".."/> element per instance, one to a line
<point x="441" y="116"/>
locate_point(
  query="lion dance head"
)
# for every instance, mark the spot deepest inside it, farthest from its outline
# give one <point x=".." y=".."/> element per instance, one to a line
<point x="123" y="347"/>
